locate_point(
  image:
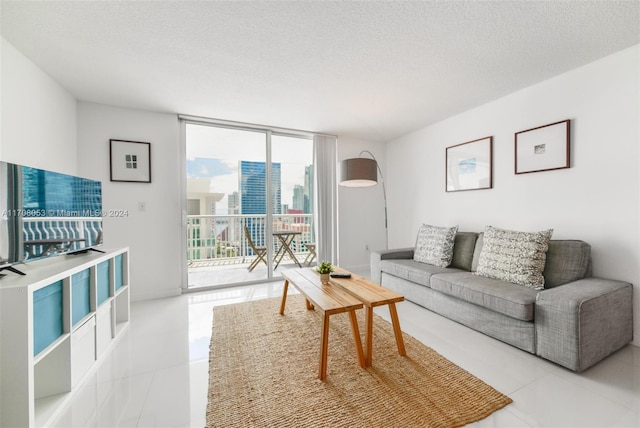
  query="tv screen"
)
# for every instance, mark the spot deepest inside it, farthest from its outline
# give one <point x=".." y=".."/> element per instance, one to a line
<point x="10" y="231"/>
<point x="46" y="213"/>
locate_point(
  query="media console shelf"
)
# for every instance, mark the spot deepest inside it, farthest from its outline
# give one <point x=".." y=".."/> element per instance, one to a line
<point x="56" y="323"/>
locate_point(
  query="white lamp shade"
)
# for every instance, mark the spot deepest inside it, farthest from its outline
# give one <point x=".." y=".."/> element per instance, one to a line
<point x="358" y="172"/>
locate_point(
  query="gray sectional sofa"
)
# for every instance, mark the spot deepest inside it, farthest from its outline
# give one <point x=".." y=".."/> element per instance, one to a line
<point x="575" y="321"/>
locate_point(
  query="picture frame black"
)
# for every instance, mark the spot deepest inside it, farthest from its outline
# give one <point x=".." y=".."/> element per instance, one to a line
<point x="130" y="161"/>
<point x="543" y="148"/>
<point x="469" y="166"/>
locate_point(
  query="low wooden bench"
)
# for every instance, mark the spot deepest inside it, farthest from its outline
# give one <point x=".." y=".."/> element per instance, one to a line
<point x="329" y="300"/>
<point x="372" y="295"/>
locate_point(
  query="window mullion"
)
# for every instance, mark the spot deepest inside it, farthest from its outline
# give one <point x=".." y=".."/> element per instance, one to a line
<point x="269" y="207"/>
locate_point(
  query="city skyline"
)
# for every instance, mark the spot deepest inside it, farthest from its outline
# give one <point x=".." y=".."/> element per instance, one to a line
<point x="214" y="152"/>
<point x="226" y="178"/>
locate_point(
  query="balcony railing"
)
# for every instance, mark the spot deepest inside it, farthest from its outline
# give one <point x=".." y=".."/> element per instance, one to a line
<point x="73" y="233"/>
<point x="220" y="239"/>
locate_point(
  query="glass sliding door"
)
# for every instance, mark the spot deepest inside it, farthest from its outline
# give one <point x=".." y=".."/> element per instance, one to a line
<point x="222" y="165"/>
<point x="293" y="223"/>
<point x="249" y="210"/>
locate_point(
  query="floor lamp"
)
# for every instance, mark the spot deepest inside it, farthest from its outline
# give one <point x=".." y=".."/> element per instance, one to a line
<point x="363" y="172"/>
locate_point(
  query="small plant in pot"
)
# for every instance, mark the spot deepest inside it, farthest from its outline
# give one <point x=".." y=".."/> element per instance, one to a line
<point x="324" y="269"/>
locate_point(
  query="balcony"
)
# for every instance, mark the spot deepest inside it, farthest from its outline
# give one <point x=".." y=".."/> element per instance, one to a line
<point x="49" y="236"/>
<point x="219" y="253"/>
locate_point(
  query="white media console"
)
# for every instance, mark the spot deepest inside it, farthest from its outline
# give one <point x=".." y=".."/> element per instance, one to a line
<point x="56" y="323"/>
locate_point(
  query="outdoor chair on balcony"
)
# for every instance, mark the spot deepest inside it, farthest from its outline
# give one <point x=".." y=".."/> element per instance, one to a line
<point x="312" y="254"/>
<point x="260" y="252"/>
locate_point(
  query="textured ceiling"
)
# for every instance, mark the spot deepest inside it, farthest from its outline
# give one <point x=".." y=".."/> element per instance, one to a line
<point x="370" y="70"/>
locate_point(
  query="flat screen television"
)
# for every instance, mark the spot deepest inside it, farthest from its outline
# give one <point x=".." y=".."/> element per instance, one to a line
<point x="45" y="214"/>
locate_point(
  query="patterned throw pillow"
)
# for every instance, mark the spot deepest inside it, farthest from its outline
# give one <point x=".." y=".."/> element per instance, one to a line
<point x="434" y="245"/>
<point x="517" y="257"/>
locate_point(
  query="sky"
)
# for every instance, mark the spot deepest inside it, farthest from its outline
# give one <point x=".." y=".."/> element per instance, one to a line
<point x="216" y="152"/>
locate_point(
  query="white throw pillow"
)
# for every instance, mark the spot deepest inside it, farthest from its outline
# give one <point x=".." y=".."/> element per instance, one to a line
<point x="512" y="256"/>
<point x="434" y="245"/>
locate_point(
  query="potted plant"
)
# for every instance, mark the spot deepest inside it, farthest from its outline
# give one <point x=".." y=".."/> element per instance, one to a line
<point x="324" y="269"/>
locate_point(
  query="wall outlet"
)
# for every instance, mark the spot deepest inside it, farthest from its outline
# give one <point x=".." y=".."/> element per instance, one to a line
<point x="366" y="247"/>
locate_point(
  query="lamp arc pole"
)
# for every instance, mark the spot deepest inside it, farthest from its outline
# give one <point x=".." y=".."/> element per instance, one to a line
<point x="384" y="195"/>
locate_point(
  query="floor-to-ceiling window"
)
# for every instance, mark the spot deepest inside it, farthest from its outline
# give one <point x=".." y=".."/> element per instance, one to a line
<point x="249" y="203"/>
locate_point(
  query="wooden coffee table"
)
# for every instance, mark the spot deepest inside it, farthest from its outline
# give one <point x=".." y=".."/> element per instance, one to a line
<point x="345" y="295"/>
<point x="372" y="295"/>
<point x="328" y="299"/>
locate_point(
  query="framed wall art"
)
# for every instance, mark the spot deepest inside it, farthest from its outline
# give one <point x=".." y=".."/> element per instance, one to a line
<point x="469" y="165"/>
<point x="543" y="148"/>
<point x="130" y="161"/>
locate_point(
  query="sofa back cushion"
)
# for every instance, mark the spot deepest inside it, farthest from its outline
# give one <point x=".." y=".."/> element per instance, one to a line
<point x="476" y="252"/>
<point x="463" y="249"/>
<point x="567" y="261"/>
<point x="434" y="245"/>
<point x="514" y="256"/>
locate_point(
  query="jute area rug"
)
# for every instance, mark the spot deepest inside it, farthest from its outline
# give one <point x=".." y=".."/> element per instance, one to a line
<point x="263" y="372"/>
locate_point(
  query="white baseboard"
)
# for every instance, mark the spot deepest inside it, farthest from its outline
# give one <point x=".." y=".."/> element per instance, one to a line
<point x="359" y="270"/>
<point x="161" y="294"/>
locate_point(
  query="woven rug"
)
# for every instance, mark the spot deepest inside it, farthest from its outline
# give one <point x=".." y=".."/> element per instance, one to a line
<point x="263" y="372"/>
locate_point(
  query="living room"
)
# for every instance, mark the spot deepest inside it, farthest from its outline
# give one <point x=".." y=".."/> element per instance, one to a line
<point x="597" y="199"/>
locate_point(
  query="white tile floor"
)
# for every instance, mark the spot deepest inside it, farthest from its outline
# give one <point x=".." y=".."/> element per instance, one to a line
<point x="156" y="375"/>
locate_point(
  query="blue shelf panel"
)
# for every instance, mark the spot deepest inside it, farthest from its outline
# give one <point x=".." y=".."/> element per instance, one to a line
<point x="80" y="295"/>
<point x="103" y="282"/>
<point x="47" y="316"/>
<point x="119" y="279"/>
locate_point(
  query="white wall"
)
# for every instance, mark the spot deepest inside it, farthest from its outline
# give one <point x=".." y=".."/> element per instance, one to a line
<point x="360" y="210"/>
<point x="153" y="235"/>
<point x="596" y="200"/>
<point x="43" y="126"/>
<point x="37" y="116"/>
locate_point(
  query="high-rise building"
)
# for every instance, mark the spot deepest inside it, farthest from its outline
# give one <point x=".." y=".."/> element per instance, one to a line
<point x="308" y="190"/>
<point x="233" y="203"/>
<point x="253" y="189"/>
<point x="47" y="191"/>
<point x="253" y="195"/>
<point x="298" y="197"/>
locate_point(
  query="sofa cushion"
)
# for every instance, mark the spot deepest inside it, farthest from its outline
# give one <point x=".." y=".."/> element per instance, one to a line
<point x="513" y="256"/>
<point x="434" y="245"/>
<point x="494" y="294"/>
<point x="476" y="252"/>
<point x="463" y="247"/>
<point x="567" y="261"/>
<point x="413" y="271"/>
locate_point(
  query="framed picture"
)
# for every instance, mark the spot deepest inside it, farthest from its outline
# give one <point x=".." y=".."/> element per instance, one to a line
<point x="543" y="148"/>
<point x="469" y="165"/>
<point x="130" y="161"/>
